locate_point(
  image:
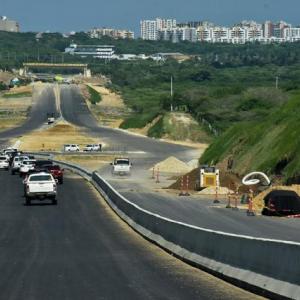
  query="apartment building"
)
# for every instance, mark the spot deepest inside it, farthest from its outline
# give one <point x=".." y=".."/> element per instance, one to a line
<point x="98" y="33"/>
<point x="150" y="29"/>
<point x="243" y="32"/>
<point x="291" y="34"/>
<point x="8" y="25"/>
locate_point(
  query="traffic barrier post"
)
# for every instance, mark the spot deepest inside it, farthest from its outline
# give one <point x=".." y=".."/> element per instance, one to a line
<point x="236" y="196"/>
<point x="228" y="200"/>
<point x="216" y="196"/>
<point x="187" y="186"/>
<point x="157" y="176"/>
<point x="181" y="187"/>
<point x="153" y="173"/>
<point x="250" y="211"/>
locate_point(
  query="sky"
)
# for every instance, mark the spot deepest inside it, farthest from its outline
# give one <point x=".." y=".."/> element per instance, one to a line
<point x="81" y="15"/>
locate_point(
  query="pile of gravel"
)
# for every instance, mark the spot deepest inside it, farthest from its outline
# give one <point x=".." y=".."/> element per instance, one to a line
<point x="172" y="165"/>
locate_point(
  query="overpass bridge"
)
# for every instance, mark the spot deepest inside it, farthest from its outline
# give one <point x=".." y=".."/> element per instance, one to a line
<point x="34" y="65"/>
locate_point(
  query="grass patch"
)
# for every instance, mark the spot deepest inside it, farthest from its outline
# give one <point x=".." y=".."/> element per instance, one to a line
<point x="95" y="97"/>
<point x="179" y="127"/>
<point x="17" y="95"/>
<point x="139" y="120"/>
<point x="157" y="130"/>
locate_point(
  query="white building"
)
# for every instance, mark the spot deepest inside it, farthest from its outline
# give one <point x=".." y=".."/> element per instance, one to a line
<point x="96" y="51"/>
<point x="9" y="25"/>
<point x="150" y="28"/>
<point x="110" y="32"/>
<point x="291" y="34"/>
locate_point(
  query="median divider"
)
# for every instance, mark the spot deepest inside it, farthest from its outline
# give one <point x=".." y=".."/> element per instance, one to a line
<point x="266" y="266"/>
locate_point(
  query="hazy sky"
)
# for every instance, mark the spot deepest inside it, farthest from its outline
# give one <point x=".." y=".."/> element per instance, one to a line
<point x="67" y="15"/>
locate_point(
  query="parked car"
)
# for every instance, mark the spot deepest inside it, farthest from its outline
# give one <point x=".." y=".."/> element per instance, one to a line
<point x="71" y="148"/>
<point x="40" y="186"/>
<point x="92" y="147"/>
<point x="15" y="166"/>
<point x="57" y="173"/>
<point x="281" y="203"/>
<point x="4" y="164"/>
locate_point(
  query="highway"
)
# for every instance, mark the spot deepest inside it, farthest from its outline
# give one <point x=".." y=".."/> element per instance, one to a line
<point x="80" y="250"/>
<point x="43" y="103"/>
<point x="75" y="111"/>
<point x="189" y="210"/>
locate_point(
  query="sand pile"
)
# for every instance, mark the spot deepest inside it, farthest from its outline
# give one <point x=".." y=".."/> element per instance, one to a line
<point x="194" y="163"/>
<point x="172" y="165"/>
<point x="212" y="191"/>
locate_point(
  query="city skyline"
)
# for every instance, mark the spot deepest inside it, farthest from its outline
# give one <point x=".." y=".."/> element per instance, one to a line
<point x="127" y="14"/>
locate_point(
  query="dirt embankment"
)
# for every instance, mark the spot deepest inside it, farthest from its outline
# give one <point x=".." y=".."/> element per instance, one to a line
<point x="110" y="111"/>
<point x="14" y="106"/>
<point x="54" y="138"/>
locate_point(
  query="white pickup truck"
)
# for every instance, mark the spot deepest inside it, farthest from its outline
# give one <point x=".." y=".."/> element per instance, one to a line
<point x="121" y="166"/>
<point x="40" y="186"/>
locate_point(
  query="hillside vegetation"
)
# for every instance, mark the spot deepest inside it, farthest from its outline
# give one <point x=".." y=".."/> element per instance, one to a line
<point x="271" y="145"/>
<point x="228" y="89"/>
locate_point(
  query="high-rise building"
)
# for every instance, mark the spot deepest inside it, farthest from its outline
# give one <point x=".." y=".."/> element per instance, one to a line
<point x="8" y="25"/>
<point x="150" y="28"/>
<point x="268" y="29"/>
<point x="278" y="29"/>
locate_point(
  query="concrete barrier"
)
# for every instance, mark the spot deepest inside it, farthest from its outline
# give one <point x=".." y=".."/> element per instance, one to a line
<point x="269" y="267"/>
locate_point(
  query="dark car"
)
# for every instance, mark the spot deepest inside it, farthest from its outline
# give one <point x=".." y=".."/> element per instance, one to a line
<point x="281" y="203"/>
<point x="42" y="165"/>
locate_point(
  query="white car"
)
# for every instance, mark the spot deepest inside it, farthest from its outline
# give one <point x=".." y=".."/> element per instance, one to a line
<point x="26" y="166"/>
<point x="40" y="186"/>
<point x="4" y="163"/>
<point x="15" y="166"/>
<point x="121" y="166"/>
<point x="92" y="147"/>
<point x="71" y="148"/>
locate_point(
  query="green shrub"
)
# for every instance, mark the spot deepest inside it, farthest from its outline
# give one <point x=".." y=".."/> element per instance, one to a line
<point x="95" y="97"/>
<point x="139" y="121"/>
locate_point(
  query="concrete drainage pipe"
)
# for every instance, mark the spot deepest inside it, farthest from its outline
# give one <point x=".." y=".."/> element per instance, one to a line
<point x="250" y="180"/>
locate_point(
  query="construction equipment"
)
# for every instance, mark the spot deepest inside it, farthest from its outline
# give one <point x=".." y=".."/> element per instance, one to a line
<point x="209" y="177"/>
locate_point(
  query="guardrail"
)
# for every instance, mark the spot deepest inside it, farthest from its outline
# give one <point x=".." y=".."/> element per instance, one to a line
<point x="270" y="267"/>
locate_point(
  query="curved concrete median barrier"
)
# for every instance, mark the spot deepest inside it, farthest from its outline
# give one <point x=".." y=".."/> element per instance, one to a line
<point x="270" y="267"/>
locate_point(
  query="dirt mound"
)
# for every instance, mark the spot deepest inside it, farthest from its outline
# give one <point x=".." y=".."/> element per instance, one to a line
<point x="193" y="177"/>
<point x="227" y="180"/>
<point x="172" y="165"/>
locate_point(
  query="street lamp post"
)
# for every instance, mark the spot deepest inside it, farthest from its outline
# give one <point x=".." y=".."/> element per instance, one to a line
<point x="171" y="93"/>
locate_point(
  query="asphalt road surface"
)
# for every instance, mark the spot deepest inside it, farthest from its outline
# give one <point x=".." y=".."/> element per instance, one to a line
<point x="43" y="103"/>
<point x="75" y="111"/>
<point x="80" y="250"/>
<point x="192" y="211"/>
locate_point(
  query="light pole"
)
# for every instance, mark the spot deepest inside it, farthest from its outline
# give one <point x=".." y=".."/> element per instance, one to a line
<point x="171" y="93"/>
<point x="277" y="82"/>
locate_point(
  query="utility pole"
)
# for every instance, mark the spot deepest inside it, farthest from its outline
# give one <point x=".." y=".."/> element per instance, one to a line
<point x="171" y="93"/>
<point x="277" y="82"/>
